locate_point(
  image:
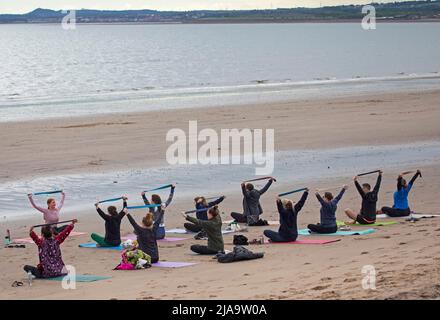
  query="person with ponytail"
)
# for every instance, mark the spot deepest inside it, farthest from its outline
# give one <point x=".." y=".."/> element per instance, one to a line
<point x="146" y="233"/>
<point x="213" y="229"/>
<point x="112" y="220"/>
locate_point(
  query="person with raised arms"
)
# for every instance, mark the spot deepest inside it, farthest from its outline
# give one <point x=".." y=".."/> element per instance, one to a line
<point x="112" y="220"/>
<point x="400" y="207"/>
<point x="367" y="214"/>
<point x="251" y="204"/>
<point x="202" y="206"/>
<point x="213" y="229"/>
<point x="329" y="205"/>
<point x="159" y="211"/>
<point x="288" y="230"/>
<point x="51" y="214"/>
<point x="51" y="263"/>
<point x="147" y="233"/>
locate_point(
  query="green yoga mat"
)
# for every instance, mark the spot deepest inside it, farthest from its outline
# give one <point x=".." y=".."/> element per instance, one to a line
<point x="306" y="232"/>
<point x="80" y="278"/>
<point x="376" y="224"/>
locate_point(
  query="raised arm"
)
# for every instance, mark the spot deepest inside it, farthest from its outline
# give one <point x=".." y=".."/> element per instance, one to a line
<point x="170" y="198"/>
<point x="38" y="241"/>
<point x="339" y="196"/>
<point x="321" y="200"/>
<point x="266" y="187"/>
<point x="64" y="234"/>
<point x="414" y="178"/>
<point x="31" y="199"/>
<point x="399" y="182"/>
<point x="101" y="213"/>
<point x="379" y="180"/>
<point x="193" y="220"/>
<point x="280" y="207"/>
<point x="359" y="188"/>
<point x="216" y="202"/>
<point x="124" y="205"/>
<point x="301" y="202"/>
<point x="136" y="227"/>
<point x="63" y="197"/>
<point x="244" y="190"/>
<point x="147" y="202"/>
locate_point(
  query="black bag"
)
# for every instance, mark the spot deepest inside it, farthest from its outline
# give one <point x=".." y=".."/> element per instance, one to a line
<point x="259" y="223"/>
<point x="240" y="240"/>
<point x="239" y="254"/>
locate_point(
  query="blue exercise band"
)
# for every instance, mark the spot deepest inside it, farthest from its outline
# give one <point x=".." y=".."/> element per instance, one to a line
<point x="290" y="192"/>
<point x="144" y="206"/>
<point x="160" y="188"/>
<point x="111" y="200"/>
<point x="47" y="192"/>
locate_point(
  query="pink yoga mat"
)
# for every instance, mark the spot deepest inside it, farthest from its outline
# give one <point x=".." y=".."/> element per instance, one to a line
<point x="133" y="237"/>
<point x="170" y="264"/>
<point x="308" y="241"/>
<point x="29" y="240"/>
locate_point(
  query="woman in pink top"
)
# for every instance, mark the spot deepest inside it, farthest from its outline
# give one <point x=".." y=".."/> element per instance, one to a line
<point x="52" y="213"/>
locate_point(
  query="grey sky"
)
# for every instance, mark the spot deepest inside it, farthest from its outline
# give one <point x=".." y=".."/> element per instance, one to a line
<point x="23" y="6"/>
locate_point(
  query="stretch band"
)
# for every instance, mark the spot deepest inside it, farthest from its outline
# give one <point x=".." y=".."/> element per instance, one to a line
<point x="160" y="188"/>
<point x="367" y="173"/>
<point x="47" y="192"/>
<point x="144" y="206"/>
<point x="51" y="224"/>
<point x="111" y="200"/>
<point x="258" y="179"/>
<point x="290" y="192"/>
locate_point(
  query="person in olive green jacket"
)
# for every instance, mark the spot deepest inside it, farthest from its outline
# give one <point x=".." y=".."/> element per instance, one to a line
<point x="213" y="229"/>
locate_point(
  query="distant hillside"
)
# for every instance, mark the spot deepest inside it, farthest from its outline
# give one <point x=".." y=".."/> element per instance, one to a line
<point x="411" y="10"/>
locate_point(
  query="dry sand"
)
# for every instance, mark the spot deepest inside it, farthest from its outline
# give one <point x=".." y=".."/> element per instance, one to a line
<point x="406" y="255"/>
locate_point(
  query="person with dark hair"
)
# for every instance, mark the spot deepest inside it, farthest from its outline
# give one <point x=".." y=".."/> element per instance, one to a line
<point x="146" y="234"/>
<point x="401" y="207"/>
<point x="251" y="204"/>
<point x="201" y="203"/>
<point x="159" y="211"/>
<point x="288" y="230"/>
<point x="329" y="205"/>
<point x="112" y="220"/>
<point x="367" y="215"/>
<point x="52" y="213"/>
<point x="51" y="262"/>
<point x="213" y="229"/>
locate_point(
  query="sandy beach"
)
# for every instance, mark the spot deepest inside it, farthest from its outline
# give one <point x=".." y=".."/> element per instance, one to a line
<point x="406" y="255"/>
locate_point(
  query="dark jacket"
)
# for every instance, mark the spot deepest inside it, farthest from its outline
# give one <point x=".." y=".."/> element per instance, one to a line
<point x="328" y="209"/>
<point x="213" y="229"/>
<point x="146" y="238"/>
<point x="369" y="200"/>
<point x="203" y="215"/>
<point x="239" y="254"/>
<point x="112" y="226"/>
<point x="251" y="202"/>
<point x="288" y="218"/>
<point x="159" y="211"/>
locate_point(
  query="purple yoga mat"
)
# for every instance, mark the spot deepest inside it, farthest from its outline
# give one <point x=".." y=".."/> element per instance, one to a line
<point x="133" y="237"/>
<point x="170" y="264"/>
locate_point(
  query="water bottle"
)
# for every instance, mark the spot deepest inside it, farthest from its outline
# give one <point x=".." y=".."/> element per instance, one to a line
<point x="30" y="277"/>
<point x="7" y="241"/>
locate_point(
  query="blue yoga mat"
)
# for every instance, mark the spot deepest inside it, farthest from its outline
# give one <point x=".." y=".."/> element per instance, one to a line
<point x="306" y="232"/>
<point x="80" y="278"/>
<point x="94" y="246"/>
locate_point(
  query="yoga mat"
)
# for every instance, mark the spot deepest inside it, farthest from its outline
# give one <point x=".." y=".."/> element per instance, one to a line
<point x="184" y="231"/>
<point x="171" y="264"/>
<point x="160" y="188"/>
<point x="271" y="223"/>
<point x="94" y="246"/>
<point x="367" y="173"/>
<point x="47" y="192"/>
<point x="305" y="232"/>
<point x="376" y="224"/>
<point x="144" y="206"/>
<point x="290" y="192"/>
<point x="134" y="237"/>
<point x="111" y="200"/>
<point x="79" y="278"/>
<point x="29" y="240"/>
<point x="414" y="215"/>
<point x="308" y="241"/>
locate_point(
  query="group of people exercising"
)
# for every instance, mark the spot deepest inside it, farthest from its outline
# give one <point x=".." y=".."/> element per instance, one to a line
<point x="208" y="223"/>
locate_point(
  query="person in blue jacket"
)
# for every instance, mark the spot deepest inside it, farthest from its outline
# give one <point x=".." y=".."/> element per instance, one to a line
<point x="288" y="230"/>
<point x="401" y="206"/>
<point x="201" y="203"/>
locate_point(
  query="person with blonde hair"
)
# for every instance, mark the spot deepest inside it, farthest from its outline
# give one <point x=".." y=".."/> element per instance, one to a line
<point x="146" y="234"/>
<point x="52" y="213"/>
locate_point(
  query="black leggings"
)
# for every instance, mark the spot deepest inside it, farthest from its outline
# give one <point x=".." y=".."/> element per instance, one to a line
<point x="239" y="217"/>
<point x="33" y="270"/>
<point x="202" y="249"/>
<point x="192" y="227"/>
<point x="318" y="228"/>
<point x="392" y="212"/>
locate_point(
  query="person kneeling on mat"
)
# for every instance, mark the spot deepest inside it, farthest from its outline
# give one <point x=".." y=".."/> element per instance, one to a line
<point x="201" y="204"/>
<point x="213" y="229"/>
<point x="401" y="206"/>
<point x="251" y="205"/>
<point x="367" y="214"/>
<point x="51" y="262"/>
<point x="146" y="234"/>
<point x="112" y="226"/>
<point x="159" y="211"/>
<point x="288" y="230"/>
<point x="329" y="205"/>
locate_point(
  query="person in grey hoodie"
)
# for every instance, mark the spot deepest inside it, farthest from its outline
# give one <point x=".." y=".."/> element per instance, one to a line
<point x="329" y="205"/>
<point x="251" y="204"/>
